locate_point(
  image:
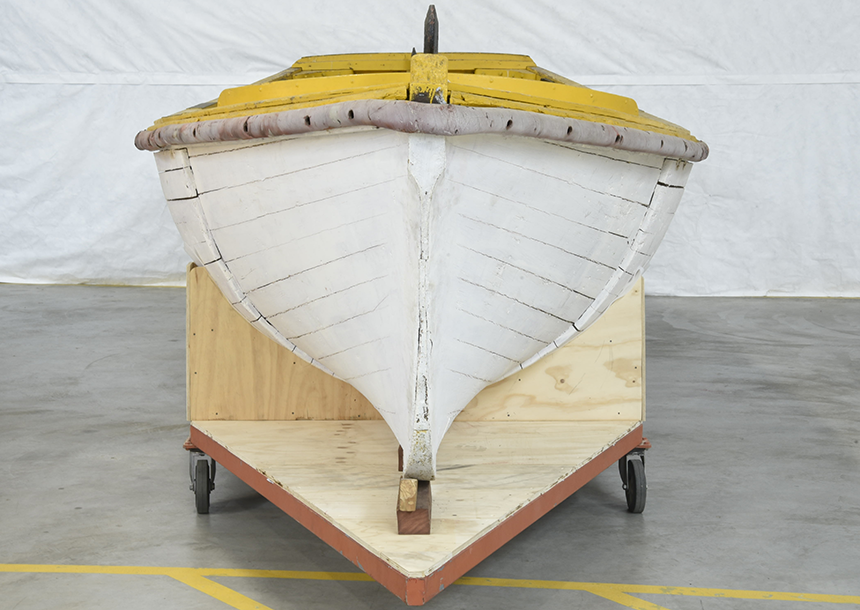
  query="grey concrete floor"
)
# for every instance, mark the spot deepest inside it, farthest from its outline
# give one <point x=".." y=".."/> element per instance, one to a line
<point x="754" y="479"/>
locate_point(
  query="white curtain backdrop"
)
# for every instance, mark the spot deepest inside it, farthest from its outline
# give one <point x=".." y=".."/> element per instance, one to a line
<point x="772" y="86"/>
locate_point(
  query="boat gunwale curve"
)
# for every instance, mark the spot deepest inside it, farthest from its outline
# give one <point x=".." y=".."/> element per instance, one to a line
<point x="416" y="117"/>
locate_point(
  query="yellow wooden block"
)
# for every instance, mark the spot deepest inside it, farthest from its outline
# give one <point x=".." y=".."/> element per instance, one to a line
<point x="407" y="498"/>
<point x="429" y="78"/>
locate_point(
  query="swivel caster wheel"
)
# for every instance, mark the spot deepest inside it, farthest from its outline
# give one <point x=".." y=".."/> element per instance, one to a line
<point x="632" y="468"/>
<point x="202" y="480"/>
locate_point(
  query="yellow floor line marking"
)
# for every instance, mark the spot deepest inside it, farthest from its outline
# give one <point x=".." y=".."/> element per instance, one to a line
<point x="230" y="597"/>
<point x="192" y="577"/>
<point x="655" y="590"/>
<point x="619" y="597"/>
<point x="619" y="593"/>
<point x="73" y="569"/>
<point x="613" y="593"/>
<point x="741" y="594"/>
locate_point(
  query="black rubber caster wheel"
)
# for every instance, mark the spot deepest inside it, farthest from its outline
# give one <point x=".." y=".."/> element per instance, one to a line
<point x="201" y="486"/>
<point x="635" y="487"/>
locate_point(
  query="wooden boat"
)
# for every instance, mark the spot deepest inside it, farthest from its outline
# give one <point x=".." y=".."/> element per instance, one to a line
<point x="421" y="225"/>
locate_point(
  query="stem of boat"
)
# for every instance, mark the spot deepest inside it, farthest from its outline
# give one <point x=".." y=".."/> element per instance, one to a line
<point x="426" y="164"/>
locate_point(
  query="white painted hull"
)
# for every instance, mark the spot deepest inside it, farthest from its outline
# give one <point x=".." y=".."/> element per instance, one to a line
<point x="420" y="268"/>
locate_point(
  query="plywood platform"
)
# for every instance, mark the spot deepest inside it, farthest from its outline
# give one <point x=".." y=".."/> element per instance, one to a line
<point x="317" y="449"/>
<point x="340" y="480"/>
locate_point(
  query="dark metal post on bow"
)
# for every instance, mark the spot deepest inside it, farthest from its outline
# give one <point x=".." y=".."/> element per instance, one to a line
<point x="431" y="31"/>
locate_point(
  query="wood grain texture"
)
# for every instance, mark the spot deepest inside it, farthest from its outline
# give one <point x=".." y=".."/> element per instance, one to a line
<point x="237" y="373"/>
<point x="599" y="375"/>
<point x="346" y="472"/>
<point x="416" y="517"/>
<point x="408" y="495"/>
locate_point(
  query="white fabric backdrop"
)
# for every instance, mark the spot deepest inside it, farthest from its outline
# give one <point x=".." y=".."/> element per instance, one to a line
<point x="772" y="86"/>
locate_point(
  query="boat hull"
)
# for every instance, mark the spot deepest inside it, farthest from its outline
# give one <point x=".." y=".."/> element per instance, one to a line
<point x="420" y="268"/>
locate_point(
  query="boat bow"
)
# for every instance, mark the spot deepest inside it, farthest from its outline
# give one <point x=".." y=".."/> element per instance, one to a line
<point x="421" y="251"/>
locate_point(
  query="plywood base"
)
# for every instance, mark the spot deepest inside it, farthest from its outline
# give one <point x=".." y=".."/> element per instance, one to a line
<point x="340" y="480"/>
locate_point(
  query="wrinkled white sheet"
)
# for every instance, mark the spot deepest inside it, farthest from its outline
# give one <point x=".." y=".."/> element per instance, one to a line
<point x="772" y="86"/>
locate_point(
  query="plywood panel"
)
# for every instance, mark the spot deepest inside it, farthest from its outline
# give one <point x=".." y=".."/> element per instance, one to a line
<point x="236" y="373"/>
<point x="599" y="375"/>
<point x="347" y="473"/>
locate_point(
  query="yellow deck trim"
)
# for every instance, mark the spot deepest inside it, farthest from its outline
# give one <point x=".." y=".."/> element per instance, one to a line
<point x="521" y="90"/>
<point x="399" y="62"/>
<point x="472" y="79"/>
<point x="198" y="578"/>
<point x="283" y="90"/>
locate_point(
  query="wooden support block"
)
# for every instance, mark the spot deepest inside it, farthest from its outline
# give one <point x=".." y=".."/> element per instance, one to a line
<point x="408" y="497"/>
<point x="416" y="521"/>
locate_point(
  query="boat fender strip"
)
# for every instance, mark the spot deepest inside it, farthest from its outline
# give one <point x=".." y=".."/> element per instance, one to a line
<point x="413" y="117"/>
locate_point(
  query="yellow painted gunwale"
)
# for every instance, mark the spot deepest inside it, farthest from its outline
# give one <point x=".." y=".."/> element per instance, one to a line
<point x="473" y="79"/>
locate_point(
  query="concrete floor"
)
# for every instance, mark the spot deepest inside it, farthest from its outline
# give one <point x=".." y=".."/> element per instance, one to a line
<point x="754" y="479"/>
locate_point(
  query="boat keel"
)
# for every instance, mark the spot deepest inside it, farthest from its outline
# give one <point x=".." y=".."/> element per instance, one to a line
<point x="420" y="461"/>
